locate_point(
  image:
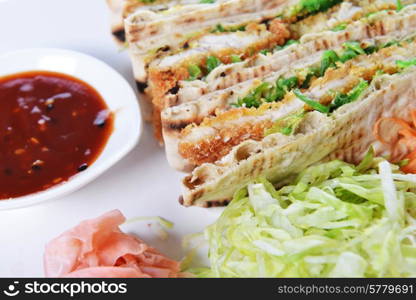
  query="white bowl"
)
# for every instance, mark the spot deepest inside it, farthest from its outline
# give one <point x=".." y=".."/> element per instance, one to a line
<point x="116" y="92"/>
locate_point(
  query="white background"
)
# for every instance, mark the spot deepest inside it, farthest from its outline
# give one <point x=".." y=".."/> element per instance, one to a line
<point x="142" y="184"/>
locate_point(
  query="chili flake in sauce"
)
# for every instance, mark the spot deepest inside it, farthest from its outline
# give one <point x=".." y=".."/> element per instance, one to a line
<point x="52" y="126"/>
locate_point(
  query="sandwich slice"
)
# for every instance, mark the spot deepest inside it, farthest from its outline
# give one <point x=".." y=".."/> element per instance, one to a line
<point x="332" y="118"/>
<point x="246" y="110"/>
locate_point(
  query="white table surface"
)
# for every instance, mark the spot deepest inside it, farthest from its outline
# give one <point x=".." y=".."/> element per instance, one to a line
<point x="142" y="184"/>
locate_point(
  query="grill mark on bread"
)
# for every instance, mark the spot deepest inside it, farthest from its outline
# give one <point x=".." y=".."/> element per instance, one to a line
<point x="177" y="127"/>
<point x="141" y="86"/>
<point x="120" y="35"/>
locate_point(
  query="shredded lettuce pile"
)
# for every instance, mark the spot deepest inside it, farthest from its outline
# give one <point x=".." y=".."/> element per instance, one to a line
<point x="334" y="220"/>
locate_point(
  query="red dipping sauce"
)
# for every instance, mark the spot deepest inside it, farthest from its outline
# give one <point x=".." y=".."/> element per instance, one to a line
<point x="52" y="126"/>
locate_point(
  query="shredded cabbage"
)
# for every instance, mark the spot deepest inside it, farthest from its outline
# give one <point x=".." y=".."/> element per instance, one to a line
<point x="334" y="220"/>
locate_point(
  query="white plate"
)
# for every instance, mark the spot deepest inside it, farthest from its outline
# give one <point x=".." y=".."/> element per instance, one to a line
<point x="115" y="91"/>
<point x="141" y="184"/>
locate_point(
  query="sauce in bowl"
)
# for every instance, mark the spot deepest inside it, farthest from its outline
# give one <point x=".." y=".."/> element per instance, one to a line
<point x="52" y="126"/>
